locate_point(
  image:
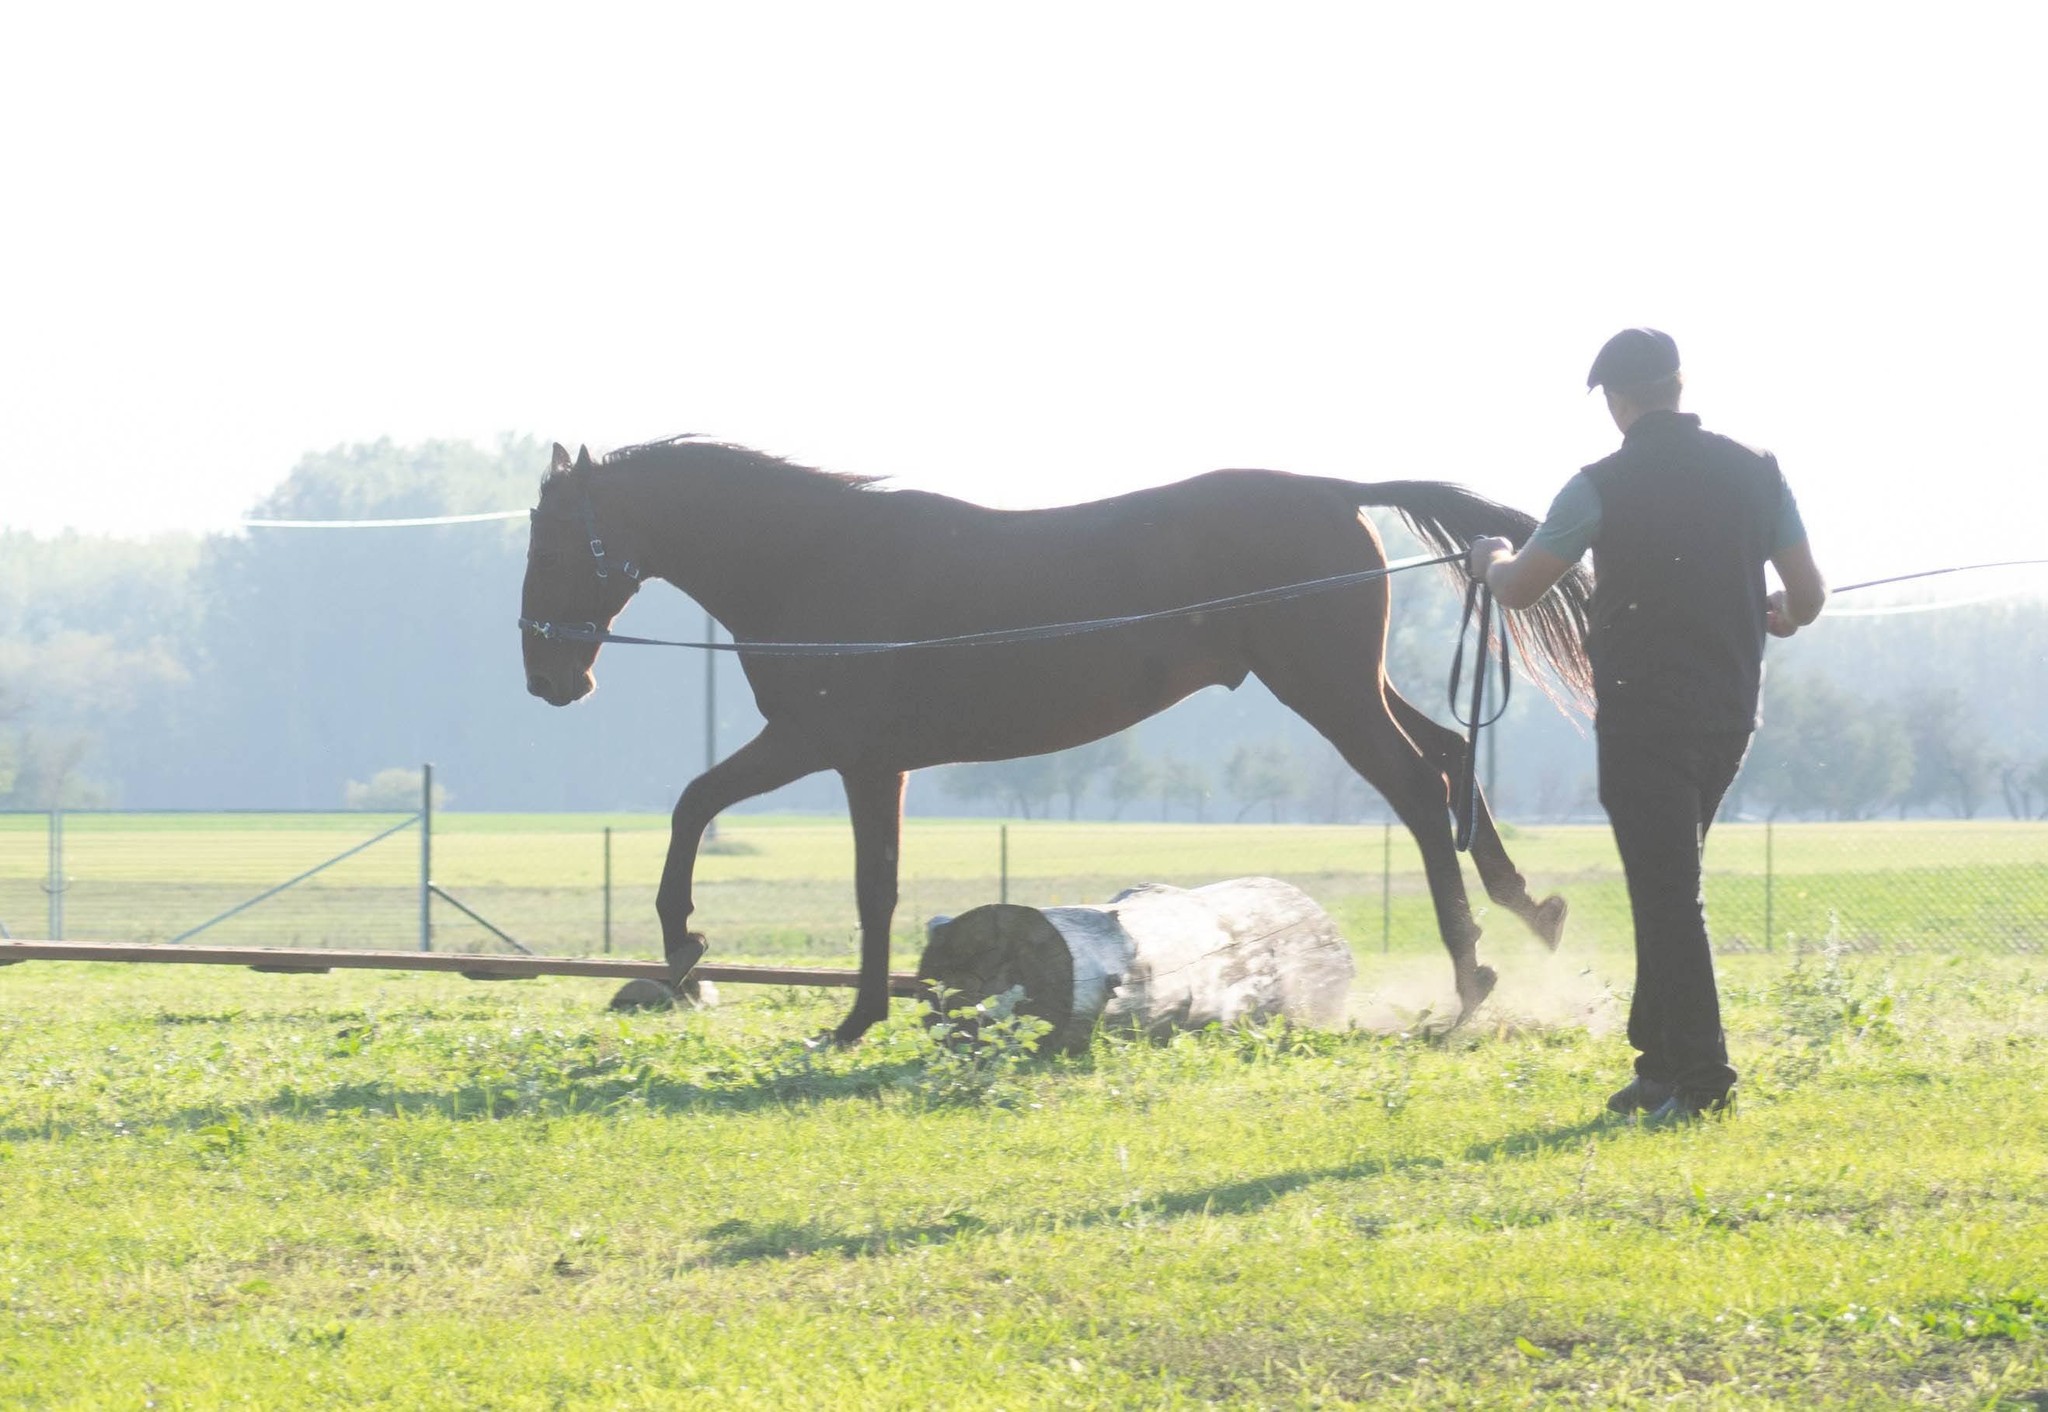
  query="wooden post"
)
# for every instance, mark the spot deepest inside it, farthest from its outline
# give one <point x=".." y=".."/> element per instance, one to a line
<point x="607" y="890"/>
<point x="1153" y="958"/>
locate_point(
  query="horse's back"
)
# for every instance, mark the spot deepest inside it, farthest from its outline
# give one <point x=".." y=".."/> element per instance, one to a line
<point x="1224" y="532"/>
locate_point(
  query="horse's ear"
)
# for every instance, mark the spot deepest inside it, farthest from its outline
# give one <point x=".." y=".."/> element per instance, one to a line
<point x="583" y="458"/>
<point x="560" y="464"/>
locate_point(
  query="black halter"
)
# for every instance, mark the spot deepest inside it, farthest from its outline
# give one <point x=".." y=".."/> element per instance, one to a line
<point x="600" y="562"/>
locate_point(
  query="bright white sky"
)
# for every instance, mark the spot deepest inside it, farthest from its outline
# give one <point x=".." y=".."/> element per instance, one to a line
<point x="1029" y="254"/>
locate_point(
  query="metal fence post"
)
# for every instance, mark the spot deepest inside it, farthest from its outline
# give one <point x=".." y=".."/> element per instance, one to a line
<point x="607" y="890"/>
<point x="1770" y="881"/>
<point x="1386" y="886"/>
<point x="56" y="882"/>
<point x="426" y="857"/>
<point x="1003" y="851"/>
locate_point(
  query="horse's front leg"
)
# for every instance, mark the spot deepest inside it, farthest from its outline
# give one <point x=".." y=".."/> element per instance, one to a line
<point x="766" y="762"/>
<point x="875" y="799"/>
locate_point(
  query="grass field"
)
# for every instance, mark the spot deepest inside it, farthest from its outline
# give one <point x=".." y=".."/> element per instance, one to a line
<point x="365" y="1191"/>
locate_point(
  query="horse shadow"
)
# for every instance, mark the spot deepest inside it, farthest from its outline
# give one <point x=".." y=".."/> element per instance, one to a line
<point x="741" y="1242"/>
<point x="484" y="1102"/>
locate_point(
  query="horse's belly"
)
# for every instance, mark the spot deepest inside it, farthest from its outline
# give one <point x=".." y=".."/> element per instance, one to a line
<point x="998" y="715"/>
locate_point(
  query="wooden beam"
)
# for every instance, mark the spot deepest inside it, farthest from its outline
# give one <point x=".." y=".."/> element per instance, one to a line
<point x="294" y="960"/>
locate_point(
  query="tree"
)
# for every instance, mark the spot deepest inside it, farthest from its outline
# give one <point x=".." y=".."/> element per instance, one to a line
<point x="1131" y="776"/>
<point x="391" y="790"/>
<point x="1559" y="794"/>
<point x="1264" y="773"/>
<point x="61" y="696"/>
<point x="1020" y="785"/>
<point x="1951" y="758"/>
<point x="47" y="772"/>
<point x="1073" y="771"/>
<point x="329" y="654"/>
<point x="1331" y="789"/>
<point x="2025" y="787"/>
<point x="1185" y="783"/>
<point x="1821" y="750"/>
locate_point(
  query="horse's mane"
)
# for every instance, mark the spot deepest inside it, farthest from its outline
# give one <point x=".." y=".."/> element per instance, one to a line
<point x="690" y="452"/>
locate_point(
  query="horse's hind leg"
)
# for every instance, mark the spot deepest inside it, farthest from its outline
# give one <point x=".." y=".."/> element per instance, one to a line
<point x="875" y="799"/>
<point x="1352" y="716"/>
<point x="1504" y="883"/>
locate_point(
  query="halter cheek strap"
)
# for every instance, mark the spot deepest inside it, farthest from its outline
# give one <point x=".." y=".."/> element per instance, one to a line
<point x="580" y="632"/>
<point x="588" y="513"/>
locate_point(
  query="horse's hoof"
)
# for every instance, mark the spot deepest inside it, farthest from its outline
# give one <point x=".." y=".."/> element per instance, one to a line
<point x="1471" y="997"/>
<point x="683" y="954"/>
<point x="851" y="1029"/>
<point x="1550" y="915"/>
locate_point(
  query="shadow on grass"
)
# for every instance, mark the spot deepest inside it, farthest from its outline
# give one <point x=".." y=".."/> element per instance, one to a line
<point x="742" y="1242"/>
<point x="1531" y="1141"/>
<point x="511" y="1100"/>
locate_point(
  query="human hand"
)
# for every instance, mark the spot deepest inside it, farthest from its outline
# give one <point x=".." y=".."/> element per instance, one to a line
<point x="1777" y="617"/>
<point x="1485" y="551"/>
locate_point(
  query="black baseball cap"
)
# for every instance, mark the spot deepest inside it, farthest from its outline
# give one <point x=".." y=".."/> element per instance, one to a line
<point x="1635" y="357"/>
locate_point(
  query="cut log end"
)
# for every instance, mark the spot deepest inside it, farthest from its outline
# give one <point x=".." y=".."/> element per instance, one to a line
<point x="990" y="949"/>
<point x="644" y="995"/>
<point x="695" y="993"/>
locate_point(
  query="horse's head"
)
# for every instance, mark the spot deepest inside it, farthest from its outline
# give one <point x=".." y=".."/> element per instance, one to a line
<point x="578" y="577"/>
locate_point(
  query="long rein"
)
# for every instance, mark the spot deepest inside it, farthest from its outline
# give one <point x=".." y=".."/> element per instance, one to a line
<point x="591" y="632"/>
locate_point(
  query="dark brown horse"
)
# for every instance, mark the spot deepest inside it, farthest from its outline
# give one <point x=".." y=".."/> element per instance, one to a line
<point x="780" y="553"/>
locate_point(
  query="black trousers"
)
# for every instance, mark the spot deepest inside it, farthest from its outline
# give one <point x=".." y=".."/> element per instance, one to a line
<point x="1660" y="792"/>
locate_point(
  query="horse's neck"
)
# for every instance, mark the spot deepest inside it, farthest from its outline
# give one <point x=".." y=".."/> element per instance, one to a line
<point x="728" y="539"/>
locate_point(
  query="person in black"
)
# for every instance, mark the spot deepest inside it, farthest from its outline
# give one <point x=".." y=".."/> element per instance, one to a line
<point x="1681" y="523"/>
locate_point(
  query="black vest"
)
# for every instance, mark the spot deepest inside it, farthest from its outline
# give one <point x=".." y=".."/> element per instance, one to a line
<point x="1686" y="523"/>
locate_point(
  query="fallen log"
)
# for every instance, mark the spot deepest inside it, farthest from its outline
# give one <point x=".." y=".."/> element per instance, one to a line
<point x="1152" y="958"/>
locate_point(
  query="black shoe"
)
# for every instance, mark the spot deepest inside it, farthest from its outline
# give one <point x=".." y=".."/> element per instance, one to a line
<point x="1686" y="1106"/>
<point x="1640" y="1096"/>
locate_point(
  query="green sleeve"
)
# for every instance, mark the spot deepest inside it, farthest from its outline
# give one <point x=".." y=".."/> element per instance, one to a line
<point x="1573" y="522"/>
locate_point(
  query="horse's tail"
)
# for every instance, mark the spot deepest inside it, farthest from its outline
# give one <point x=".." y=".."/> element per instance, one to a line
<point x="1552" y="631"/>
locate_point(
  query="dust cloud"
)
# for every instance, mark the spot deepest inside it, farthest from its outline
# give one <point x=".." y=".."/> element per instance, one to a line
<point x="1537" y="990"/>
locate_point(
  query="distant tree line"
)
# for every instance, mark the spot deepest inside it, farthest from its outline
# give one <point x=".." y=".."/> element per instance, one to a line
<point x="317" y="669"/>
<point x="1829" y="753"/>
<point x="1274" y="779"/>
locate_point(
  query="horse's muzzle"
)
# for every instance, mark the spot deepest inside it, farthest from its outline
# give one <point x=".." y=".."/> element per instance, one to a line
<point x="559" y="690"/>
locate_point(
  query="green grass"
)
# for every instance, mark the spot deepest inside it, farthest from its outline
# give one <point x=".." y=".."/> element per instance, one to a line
<point x="225" y="1190"/>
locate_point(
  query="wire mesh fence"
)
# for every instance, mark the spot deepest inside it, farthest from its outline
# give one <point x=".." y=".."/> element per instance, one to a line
<point x="778" y="887"/>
